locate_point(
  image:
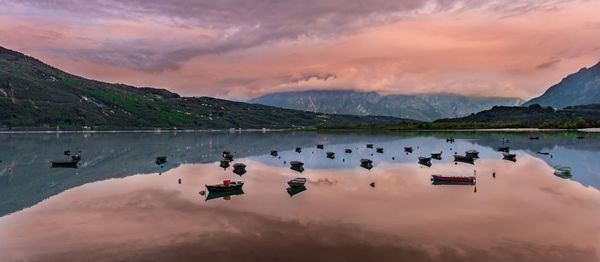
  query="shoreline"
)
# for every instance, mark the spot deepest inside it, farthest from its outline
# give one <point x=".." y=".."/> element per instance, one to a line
<point x="142" y="131"/>
<point x="587" y="130"/>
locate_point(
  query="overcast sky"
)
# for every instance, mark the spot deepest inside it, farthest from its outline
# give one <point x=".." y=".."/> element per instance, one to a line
<point x="238" y="49"/>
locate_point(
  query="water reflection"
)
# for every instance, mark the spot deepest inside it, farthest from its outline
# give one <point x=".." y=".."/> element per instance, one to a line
<point x="404" y="212"/>
<point x="516" y="204"/>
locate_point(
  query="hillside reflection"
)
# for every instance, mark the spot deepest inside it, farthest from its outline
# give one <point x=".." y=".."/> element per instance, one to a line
<point x="339" y="218"/>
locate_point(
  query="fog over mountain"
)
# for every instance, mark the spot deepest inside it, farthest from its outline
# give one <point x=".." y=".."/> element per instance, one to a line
<point x="426" y="107"/>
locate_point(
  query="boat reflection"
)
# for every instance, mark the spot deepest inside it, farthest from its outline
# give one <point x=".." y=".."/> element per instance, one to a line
<point x="366" y="166"/>
<point x="239" y="172"/>
<point x="295" y="190"/>
<point x="226" y="195"/>
<point x="425" y="163"/>
<point x="297" y="168"/>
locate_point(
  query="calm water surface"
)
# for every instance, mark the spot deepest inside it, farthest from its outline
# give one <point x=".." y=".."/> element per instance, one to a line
<point x="120" y="206"/>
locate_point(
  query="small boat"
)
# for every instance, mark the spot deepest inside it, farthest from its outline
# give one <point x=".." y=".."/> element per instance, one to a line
<point x="463" y="158"/>
<point x="580" y="137"/>
<point x="473" y="153"/>
<point x="436" y="155"/>
<point x="239" y="166"/>
<point x="67" y="152"/>
<point x="274" y="152"/>
<point x="534" y="137"/>
<point x="508" y="155"/>
<point x="424" y="159"/>
<point x="348" y="150"/>
<point x="296" y="163"/>
<point x="542" y="153"/>
<point x="161" y="160"/>
<point x="320" y="146"/>
<point x="439" y="179"/>
<point x="227" y="155"/>
<point x="450" y="139"/>
<point x="379" y="150"/>
<point x="562" y="170"/>
<point x="408" y="149"/>
<point x="369" y="145"/>
<point x="68" y="164"/>
<point x="226" y="186"/>
<point x="295" y="190"/>
<point x="330" y="155"/>
<point x="504" y="149"/>
<point x="298" y="149"/>
<point x="365" y="161"/>
<point x="297" y="182"/>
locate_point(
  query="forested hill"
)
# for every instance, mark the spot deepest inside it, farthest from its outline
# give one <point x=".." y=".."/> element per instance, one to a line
<point x="34" y="95"/>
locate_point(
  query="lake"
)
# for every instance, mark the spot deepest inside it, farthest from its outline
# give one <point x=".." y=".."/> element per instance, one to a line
<point x="119" y="205"/>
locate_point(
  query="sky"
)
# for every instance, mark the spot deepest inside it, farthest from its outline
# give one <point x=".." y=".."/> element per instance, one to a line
<point x="240" y="49"/>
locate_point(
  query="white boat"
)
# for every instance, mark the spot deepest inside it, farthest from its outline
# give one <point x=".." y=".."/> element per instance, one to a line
<point x="562" y="170"/>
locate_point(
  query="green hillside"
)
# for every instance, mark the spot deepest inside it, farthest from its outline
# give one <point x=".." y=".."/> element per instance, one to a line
<point x="34" y="95"/>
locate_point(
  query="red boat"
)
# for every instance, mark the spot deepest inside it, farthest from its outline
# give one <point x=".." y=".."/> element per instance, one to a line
<point x="439" y="179"/>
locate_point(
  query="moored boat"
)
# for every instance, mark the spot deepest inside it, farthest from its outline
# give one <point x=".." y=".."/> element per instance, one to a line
<point x="508" y="155"/>
<point x="227" y="185"/>
<point x="463" y="158"/>
<point x="562" y="170"/>
<point x="274" y="152"/>
<point x="297" y="182"/>
<point x="470" y="180"/>
<point x="534" y="137"/>
<point x="348" y="150"/>
<point x="436" y="155"/>
<point x="161" y="160"/>
<point x="365" y="161"/>
<point x="330" y="155"/>
<point x="369" y="145"/>
<point x="298" y="149"/>
<point x="239" y="166"/>
<point x="542" y="153"/>
<point x="296" y="163"/>
<point x="320" y="146"/>
<point x="424" y="159"/>
<point x="450" y="139"/>
<point x="379" y="150"/>
<point x="72" y="164"/>
<point x="227" y="155"/>
<point x="473" y="153"/>
<point x="408" y="149"/>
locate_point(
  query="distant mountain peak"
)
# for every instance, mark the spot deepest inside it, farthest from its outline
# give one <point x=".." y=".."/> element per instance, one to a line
<point x="580" y="88"/>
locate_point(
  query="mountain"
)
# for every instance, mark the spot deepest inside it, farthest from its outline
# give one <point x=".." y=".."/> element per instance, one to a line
<point x="34" y="95"/>
<point x="532" y="113"/>
<point x="420" y="107"/>
<point x="579" y="88"/>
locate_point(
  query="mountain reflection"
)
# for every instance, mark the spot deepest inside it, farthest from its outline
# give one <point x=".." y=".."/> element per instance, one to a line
<point x="341" y="217"/>
<point x="118" y="155"/>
